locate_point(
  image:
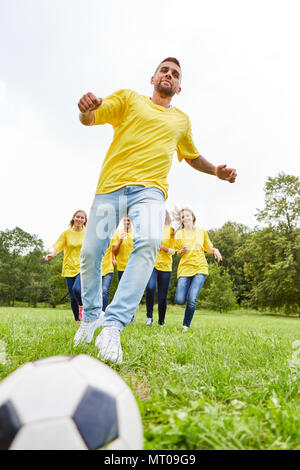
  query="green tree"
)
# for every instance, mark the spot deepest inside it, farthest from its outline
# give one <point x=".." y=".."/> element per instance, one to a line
<point x="228" y="239"/>
<point x="217" y="293"/>
<point x="272" y="254"/>
<point x="20" y="255"/>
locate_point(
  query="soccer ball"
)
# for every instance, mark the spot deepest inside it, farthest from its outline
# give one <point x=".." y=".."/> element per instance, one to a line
<point x="68" y="403"/>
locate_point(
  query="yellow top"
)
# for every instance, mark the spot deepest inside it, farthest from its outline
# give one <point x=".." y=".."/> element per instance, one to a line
<point x="70" y="242"/>
<point x="194" y="261"/>
<point x="107" y="264"/>
<point x="146" y="136"/>
<point x="164" y="260"/>
<point x="125" y="248"/>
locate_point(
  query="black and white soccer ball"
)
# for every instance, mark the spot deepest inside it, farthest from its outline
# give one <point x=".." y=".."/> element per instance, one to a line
<point x="68" y="403"/>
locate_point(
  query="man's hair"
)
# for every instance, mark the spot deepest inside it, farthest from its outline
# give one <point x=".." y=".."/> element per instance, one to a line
<point x="169" y="59"/>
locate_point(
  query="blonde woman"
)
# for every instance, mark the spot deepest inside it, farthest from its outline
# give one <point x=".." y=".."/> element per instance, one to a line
<point x="191" y="243"/>
<point x="70" y="242"/>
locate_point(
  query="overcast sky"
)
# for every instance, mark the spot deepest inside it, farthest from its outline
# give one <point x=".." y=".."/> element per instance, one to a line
<point x="240" y="87"/>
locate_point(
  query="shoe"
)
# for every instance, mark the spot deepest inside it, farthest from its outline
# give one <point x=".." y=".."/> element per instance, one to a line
<point x="149" y="321"/>
<point x="132" y="320"/>
<point x="161" y="325"/>
<point x="86" y="330"/>
<point x="108" y="343"/>
<point x="80" y="312"/>
<point x="185" y="328"/>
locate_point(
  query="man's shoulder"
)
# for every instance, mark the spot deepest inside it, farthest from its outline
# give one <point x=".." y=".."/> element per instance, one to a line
<point x="181" y="113"/>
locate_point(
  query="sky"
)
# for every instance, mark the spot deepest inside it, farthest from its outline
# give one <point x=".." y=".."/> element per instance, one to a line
<point x="240" y="88"/>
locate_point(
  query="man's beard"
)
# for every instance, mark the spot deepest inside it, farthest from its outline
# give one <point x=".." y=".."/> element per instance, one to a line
<point x="162" y="90"/>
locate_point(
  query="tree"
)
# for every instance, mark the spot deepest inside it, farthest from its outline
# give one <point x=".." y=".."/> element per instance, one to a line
<point x="217" y="293"/>
<point x="228" y="239"/>
<point x="20" y="255"/>
<point x="272" y="254"/>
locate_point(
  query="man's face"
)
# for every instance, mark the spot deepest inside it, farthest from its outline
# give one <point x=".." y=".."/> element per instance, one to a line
<point x="167" y="79"/>
<point x="126" y="223"/>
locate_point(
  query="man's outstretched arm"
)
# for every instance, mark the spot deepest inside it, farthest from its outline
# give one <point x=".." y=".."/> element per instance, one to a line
<point x="87" y="105"/>
<point x="221" y="171"/>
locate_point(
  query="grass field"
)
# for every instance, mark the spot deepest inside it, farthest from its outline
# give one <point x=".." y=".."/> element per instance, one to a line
<point x="231" y="382"/>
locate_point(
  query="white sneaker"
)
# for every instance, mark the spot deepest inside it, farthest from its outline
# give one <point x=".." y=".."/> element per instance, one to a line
<point x="86" y="330"/>
<point x="185" y="328"/>
<point x="149" y="321"/>
<point x="109" y="345"/>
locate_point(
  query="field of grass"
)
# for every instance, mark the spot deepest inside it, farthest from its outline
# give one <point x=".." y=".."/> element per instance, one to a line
<point x="231" y="382"/>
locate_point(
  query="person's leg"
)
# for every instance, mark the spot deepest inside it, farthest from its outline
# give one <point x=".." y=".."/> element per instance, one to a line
<point x="163" y="282"/>
<point x="146" y="210"/>
<point x="74" y="304"/>
<point x="192" y="295"/>
<point x="77" y="289"/>
<point x="182" y="288"/>
<point x="150" y="293"/>
<point x="106" y="283"/>
<point x="104" y="217"/>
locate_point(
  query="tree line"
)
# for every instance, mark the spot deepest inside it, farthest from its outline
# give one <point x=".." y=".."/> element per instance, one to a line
<point x="260" y="267"/>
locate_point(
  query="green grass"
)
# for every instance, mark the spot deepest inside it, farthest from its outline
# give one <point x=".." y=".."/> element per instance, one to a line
<point x="231" y="382"/>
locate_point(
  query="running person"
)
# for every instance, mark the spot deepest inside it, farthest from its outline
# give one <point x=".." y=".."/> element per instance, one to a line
<point x="190" y="243"/>
<point x="70" y="242"/>
<point x="122" y="245"/>
<point x="133" y="182"/>
<point x="107" y="276"/>
<point x="161" y="275"/>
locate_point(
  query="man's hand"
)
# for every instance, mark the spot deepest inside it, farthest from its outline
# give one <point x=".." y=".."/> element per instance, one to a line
<point x="89" y="102"/>
<point x="227" y="174"/>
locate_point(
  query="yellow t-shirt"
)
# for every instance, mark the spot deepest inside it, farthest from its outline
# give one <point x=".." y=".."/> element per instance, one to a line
<point x="125" y="249"/>
<point x="107" y="264"/>
<point x="146" y="136"/>
<point x="70" y="242"/>
<point x="194" y="261"/>
<point x="164" y="260"/>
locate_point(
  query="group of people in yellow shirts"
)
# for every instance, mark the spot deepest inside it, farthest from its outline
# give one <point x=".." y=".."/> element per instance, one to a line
<point x="189" y="242"/>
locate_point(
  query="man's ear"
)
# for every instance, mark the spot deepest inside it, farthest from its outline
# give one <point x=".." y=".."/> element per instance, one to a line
<point x="152" y="80"/>
<point x="178" y="91"/>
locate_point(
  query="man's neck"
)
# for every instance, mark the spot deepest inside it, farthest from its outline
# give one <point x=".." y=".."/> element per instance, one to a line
<point x="161" y="100"/>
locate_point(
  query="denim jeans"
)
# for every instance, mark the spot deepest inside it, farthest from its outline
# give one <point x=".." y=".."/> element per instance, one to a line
<point x="162" y="280"/>
<point x="146" y="209"/>
<point x="187" y="290"/>
<point x="74" y="288"/>
<point x="106" y="282"/>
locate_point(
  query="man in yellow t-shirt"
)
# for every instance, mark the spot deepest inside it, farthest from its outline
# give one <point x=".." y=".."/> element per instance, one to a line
<point x="133" y="182"/>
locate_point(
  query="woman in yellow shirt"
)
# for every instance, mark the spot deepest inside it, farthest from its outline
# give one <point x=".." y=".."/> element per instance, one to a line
<point x="161" y="275"/>
<point x="70" y="241"/>
<point x="190" y="243"/>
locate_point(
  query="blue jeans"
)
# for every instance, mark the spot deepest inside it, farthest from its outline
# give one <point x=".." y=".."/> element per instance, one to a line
<point x="74" y="288"/>
<point x="146" y="209"/>
<point x="106" y="282"/>
<point x="162" y="279"/>
<point x="187" y="290"/>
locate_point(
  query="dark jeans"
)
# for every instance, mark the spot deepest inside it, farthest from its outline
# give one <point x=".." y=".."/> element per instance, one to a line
<point x="187" y="290"/>
<point x="74" y="288"/>
<point x="106" y="282"/>
<point x="162" y="279"/>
